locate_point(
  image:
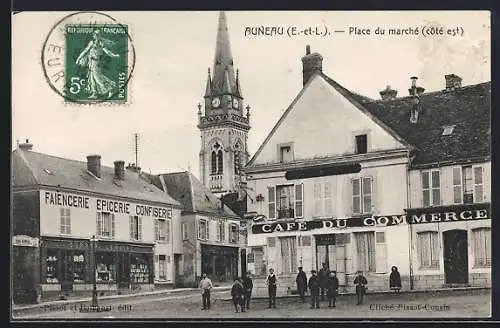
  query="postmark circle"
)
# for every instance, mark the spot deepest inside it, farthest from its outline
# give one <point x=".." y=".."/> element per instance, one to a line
<point x="88" y="58"/>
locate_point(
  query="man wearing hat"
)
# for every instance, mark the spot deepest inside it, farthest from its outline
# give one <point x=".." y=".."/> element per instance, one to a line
<point x="248" y="286"/>
<point x="314" y="287"/>
<point x="301" y="281"/>
<point x="360" y="283"/>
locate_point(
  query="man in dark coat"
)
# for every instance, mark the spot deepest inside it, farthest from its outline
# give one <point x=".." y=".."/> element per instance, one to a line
<point x="323" y="280"/>
<point x="237" y="292"/>
<point x="314" y="287"/>
<point x="301" y="281"/>
<point x="332" y="288"/>
<point x="272" y="283"/>
<point x="248" y="286"/>
<point x="360" y="283"/>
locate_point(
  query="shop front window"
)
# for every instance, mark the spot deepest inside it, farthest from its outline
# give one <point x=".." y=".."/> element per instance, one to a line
<point x="106" y="268"/>
<point x="52" y="264"/>
<point x="139" y="269"/>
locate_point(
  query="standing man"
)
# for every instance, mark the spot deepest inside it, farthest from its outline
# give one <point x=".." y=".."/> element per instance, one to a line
<point x="360" y="283"/>
<point x="301" y="281"/>
<point x="314" y="287"/>
<point x="248" y="286"/>
<point x="206" y="287"/>
<point x="333" y="288"/>
<point x="237" y="293"/>
<point x="271" y="283"/>
<point x="323" y="280"/>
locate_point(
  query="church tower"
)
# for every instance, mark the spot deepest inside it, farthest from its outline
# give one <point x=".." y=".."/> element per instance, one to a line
<point x="224" y="122"/>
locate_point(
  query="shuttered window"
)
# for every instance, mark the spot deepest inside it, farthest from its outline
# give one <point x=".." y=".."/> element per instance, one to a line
<point x="481" y="247"/>
<point x="457" y="185"/>
<point x="288" y="254"/>
<point x="478" y="184"/>
<point x="271" y="196"/>
<point x="365" y="250"/>
<point x="105" y="224"/>
<point x="428" y="249"/>
<point x="299" y="200"/>
<point x="431" y="188"/>
<point x="135" y="223"/>
<point x="362" y="195"/>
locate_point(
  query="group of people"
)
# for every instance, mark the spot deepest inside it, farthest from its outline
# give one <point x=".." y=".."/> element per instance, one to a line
<point x="321" y="284"/>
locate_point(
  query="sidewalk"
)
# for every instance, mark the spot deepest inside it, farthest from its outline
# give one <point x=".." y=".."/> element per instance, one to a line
<point x="22" y="307"/>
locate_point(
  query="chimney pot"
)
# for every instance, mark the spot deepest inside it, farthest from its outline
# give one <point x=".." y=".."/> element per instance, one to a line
<point x="308" y="50"/>
<point x="119" y="170"/>
<point x="388" y="93"/>
<point x="94" y="165"/>
<point x="453" y="81"/>
<point x="26" y="146"/>
<point x="415" y="90"/>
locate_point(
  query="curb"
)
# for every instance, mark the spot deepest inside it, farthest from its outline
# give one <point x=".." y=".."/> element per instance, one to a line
<point x="110" y="297"/>
<point x="382" y="292"/>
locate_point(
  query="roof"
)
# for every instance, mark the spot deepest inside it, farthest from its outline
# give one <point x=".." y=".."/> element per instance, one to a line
<point x="31" y="168"/>
<point x="467" y="108"/>
<point x="236" y="202"/>
<point x="193" y="195"/>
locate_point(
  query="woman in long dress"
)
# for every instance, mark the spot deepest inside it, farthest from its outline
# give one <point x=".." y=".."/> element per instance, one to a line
<point x="97" y="82"/>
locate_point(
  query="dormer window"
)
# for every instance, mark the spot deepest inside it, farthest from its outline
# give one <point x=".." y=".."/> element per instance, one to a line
<point x="448" y="129"/>
<point x="361" y="144"/>
<point x="285" y="153"/>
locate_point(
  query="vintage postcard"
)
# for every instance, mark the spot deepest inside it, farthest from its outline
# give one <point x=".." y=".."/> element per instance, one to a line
<point x="248" y="165"/>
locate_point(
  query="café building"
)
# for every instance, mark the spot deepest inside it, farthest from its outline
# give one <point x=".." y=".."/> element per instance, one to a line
<point x="388" y="185"/>
<point x="63" y="203"/>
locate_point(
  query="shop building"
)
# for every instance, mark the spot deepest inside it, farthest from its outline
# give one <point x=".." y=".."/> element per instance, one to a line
<point x="64" y="203"/>
<point x="210" y="231"/>
<point x="355" y="200"/>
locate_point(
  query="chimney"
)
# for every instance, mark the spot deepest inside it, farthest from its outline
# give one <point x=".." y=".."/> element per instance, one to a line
<point x="415" y="90"/>
<point x="26" y="146"/>
<point x="94" y="165"/>
<point x="453" y="81"/>
<point x="311" y="64"/>
<point x="119" y="170"/>
<point x="388" y="93"/>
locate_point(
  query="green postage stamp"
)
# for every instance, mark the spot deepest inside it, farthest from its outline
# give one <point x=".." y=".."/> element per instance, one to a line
<point x="96" y="63"/>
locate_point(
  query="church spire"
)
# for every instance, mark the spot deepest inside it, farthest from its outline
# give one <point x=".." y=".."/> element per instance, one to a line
<point x="237" y="88"/>
<point x="223" y="59"/>
<point x="208" y="89"/>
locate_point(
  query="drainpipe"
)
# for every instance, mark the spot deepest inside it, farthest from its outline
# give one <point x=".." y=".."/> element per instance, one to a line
<point x="408" y="203"/>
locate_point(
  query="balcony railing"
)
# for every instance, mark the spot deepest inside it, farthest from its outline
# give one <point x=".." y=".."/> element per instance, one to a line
<point x="216" y="182"/>
<point x="288" y="213"/>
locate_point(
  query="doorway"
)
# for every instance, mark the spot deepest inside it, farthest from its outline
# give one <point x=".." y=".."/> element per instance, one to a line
<point x="456" y="258"/>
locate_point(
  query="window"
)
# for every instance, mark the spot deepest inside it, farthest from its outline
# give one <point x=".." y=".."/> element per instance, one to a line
<point x="481" y="247"/>
<point x="380" y="251"/>
<point x="139" y="269"/>
<point x="322" y="199"/>
<point x="233" y="237"/>
<point x="326" y="251"/>
<point x="285" y="153"/>
<point x="448" y="129"/>
<point x="135" y="228"/>
<point x="365" y="250"/>
<point x="467" y="184"/>
<point x="216" y="159"/>
<point x="184" y="229"/>
<point x="221" y="231"/>
<point x="431" y="188"/>
<point x="105" y="224"/>
<point x="362" y="195"/>
<point x="51" y="273"/>
<point x="299" y="196"/>
<point x="162" y="230"/>
<point x="285" y="201"/>
<point x="361" y="144"/>
<point x="78" y="258"/>
<point x="202" y="229"/>
<point x="428" y="249"/>
<point x="288" y="254"/>
<point x="106" y="268"/>
<point x="162" y="267"/>
<point x="65" y="221"/>
<point x="271" y="202"/>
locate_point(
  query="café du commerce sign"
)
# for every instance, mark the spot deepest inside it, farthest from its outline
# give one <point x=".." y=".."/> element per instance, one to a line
<point x="412" y="216"/>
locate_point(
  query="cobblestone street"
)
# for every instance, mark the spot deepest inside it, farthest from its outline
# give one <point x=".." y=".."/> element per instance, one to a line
<point x="435" y="305"/>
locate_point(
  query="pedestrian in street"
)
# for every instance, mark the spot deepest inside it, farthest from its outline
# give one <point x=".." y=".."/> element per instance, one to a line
<point x="271" y="282"/>
<point x="206" y="287"/>
<point x="360" y="283"/>
<point x="248" y="286"/>
<point x="237" y="292"/>
<point x="314" y="287"/>
<point x="395" y="279"/>
<point x="332" y="288"/>
<point x="323" y="279"/>
<point x="301" y="281"/>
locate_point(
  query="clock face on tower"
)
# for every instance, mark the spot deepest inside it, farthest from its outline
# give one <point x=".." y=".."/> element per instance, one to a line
<point x="216" y="102"/>
<point x="235" y="103"/>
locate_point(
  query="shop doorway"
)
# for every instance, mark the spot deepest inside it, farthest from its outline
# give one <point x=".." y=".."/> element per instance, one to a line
<point x="456" y="259"/>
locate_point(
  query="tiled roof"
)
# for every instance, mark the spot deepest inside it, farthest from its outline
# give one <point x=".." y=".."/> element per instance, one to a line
<point x="236" y="203"/>
<point x="30" y="168"/>
<point x="193" y="195"/>
<point x="467" y="108"/>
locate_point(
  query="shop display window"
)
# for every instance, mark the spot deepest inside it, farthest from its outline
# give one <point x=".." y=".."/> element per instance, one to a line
<point x="106" y="268"/>
<point x="78" y="267"/>
<point x="52" y="260"/>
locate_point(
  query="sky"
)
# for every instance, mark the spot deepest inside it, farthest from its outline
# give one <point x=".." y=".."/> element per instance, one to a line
<point x="174" y="50"/>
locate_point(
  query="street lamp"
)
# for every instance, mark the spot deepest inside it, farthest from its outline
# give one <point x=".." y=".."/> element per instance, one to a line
<point x="93" y="244"/>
